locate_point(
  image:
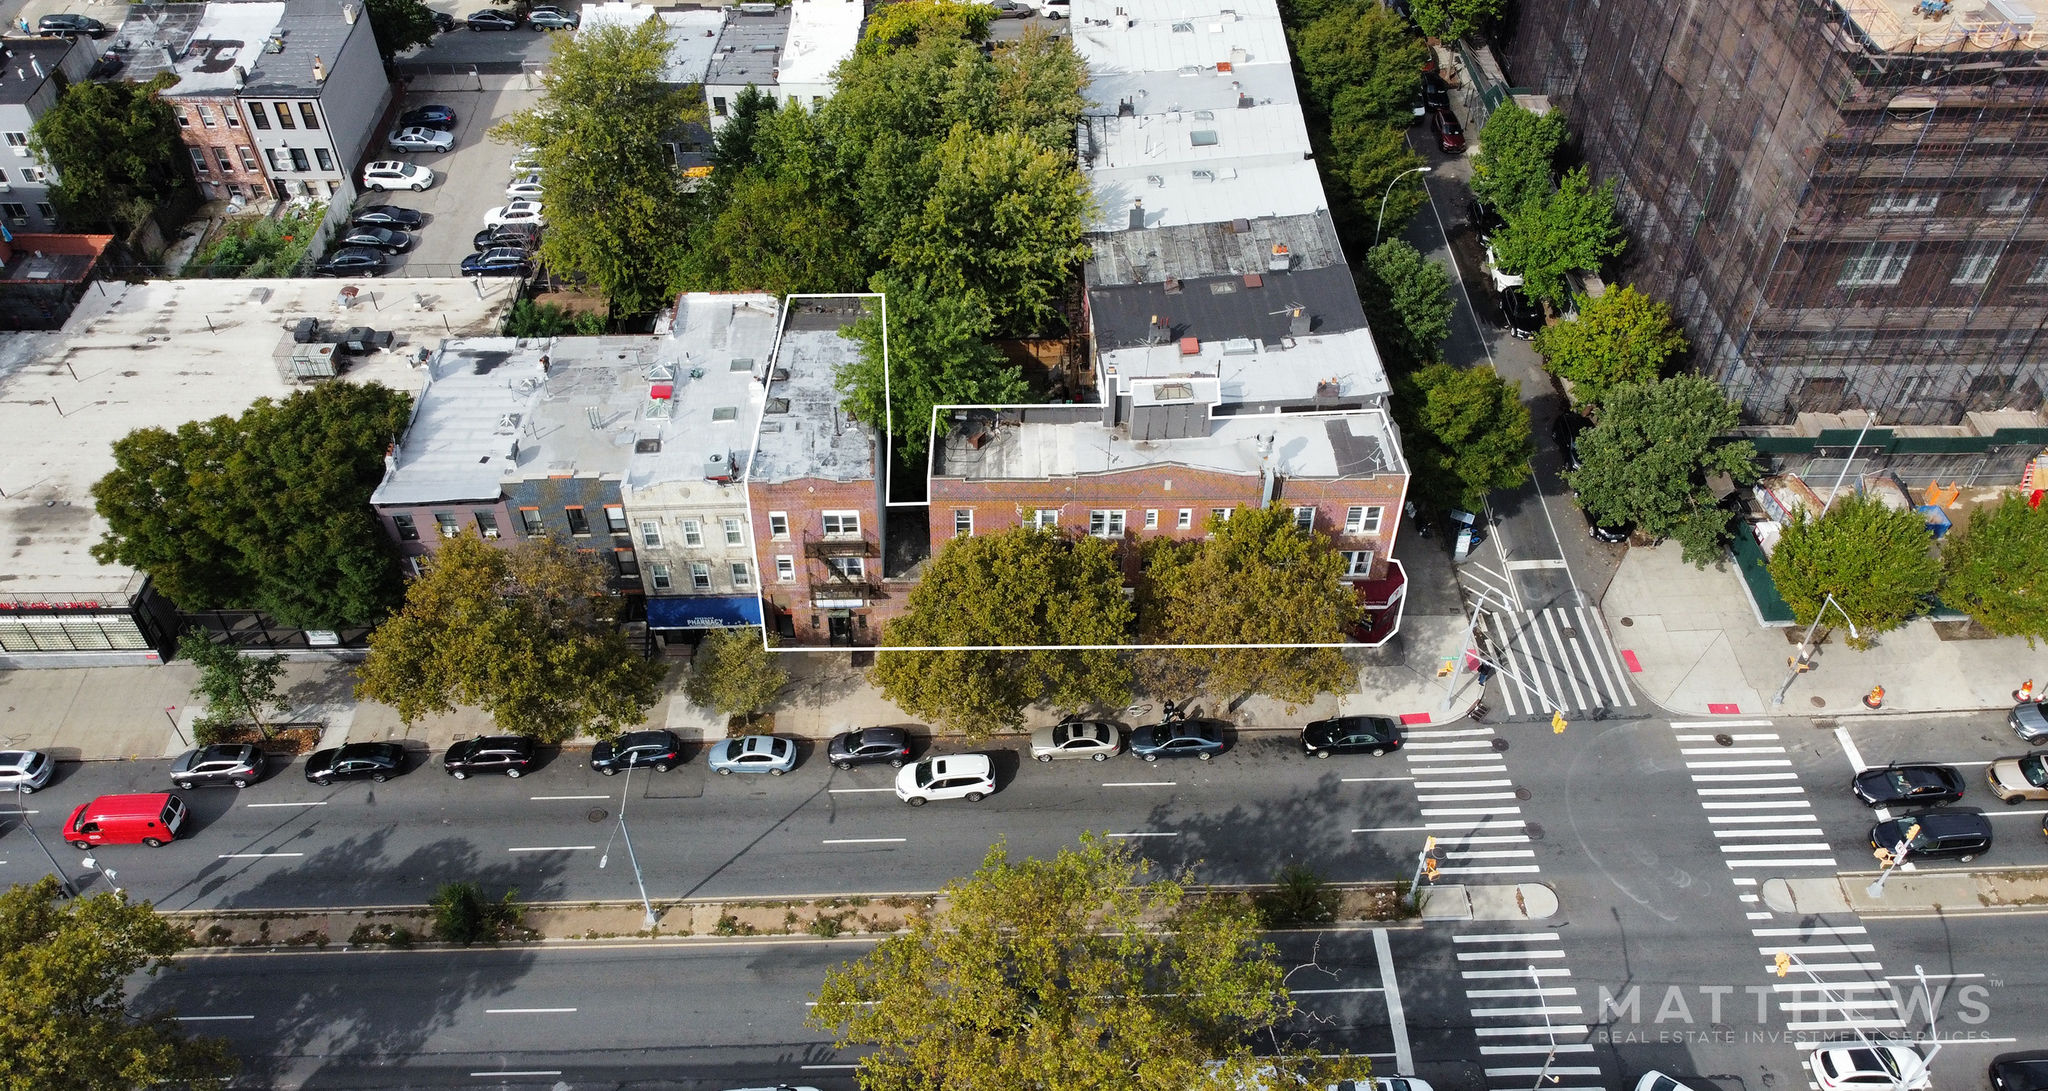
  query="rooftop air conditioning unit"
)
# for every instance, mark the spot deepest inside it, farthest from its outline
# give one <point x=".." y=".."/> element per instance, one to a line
<point x="718" y="467"/>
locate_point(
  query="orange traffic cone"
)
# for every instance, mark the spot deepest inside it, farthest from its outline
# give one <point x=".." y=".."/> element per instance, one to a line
<point x="1875" y="698"/>
<point x="2025" y="692"/>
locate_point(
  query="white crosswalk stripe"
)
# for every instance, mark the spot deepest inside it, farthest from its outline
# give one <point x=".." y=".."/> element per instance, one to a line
<point x="1559" y="658"/>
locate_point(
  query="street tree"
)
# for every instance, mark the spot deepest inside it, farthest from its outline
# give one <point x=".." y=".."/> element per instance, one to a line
<point x="1517" y="148"/>
<point x="399" y="25"/>
<point x="1361" y="164"/>
<point x="1360" y="64"/>
<point x="1996" y="569"/>
<point x="64" y="1018"/>
<point x="1079" y="971"/>
<point x="528" y="634"/>
<point x="938" y="354"/>
<point x="1622" y="337"/>
<point x="1875" y="560"/>
<point x="617" y="214"/>
<point x="734" y="673"/>
<point x="115" y="152"/>
<point x="1256" y="578"/>
<point x="1412" y="298"/>
<point x="266" y="511"/>
<point x="1453" y="19"/>
<point x="771" y="218"/>
<point x="908" y="22"/>
<point x="1016" y="588"/>
<point x="1465" y="431"/>
<point x="1572" y="229"/>
<point x="235" y="688"/>
<point x="1647" y="459"/>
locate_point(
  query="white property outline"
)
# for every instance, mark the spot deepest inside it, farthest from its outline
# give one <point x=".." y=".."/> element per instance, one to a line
<point x="884" y="453"/>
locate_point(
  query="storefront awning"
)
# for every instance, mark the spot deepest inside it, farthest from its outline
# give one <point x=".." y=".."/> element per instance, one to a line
<point x="703" y="611"/>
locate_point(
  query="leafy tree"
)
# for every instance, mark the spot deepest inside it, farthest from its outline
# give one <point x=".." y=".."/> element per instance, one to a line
<point x="938" y="355"/>
<point x="1621" y="337"/>
<point x="900" y="25"/>
<point x="399" y="25"/>
<point x="115" y="150"/>
<point x="1572" y="229"/>
<point x="1255" y="579"/>
<point x="1019" y="588"/>
<point x="1516" y="150"/>
<point x="1069" y="973"/>
<point x="1360" y="64"/>
<point x="734" y="673"/>
<point x="616" y="210"/>
<point x="236" y="688"/>
<point x="1453" y="19"/>
<point x="526" y="633"/>
<point x="772" y="220"/>
<point x="1412" y="297"/>
<point x="64" y="1018"/>
<point x="1875" y="560"/>
<point x="267" y="511"/>
<point x="463" y="915"/>
<point x="1647" y="459"/>
<point x="1361" y="165"/>
<point x="1996" y="569"/>
<point x="1466" y="433"/>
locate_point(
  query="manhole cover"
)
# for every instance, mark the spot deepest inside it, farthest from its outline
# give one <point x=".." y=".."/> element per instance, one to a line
<point x="1569" y="633"/>
<point x="1819" y="703"/>
<point x="1627" y="622"/>
<point x="1500" y="744"/>
<point x="1724" y="740"/>
<point x="1535" y="831"/>
<point x="598" y="814"/>
<point x="1524" y="794"/>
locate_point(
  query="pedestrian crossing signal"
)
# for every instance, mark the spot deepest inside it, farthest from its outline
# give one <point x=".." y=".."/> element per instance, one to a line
<point x="1445" y="670"/>
<point x="1557" y="723"/>
<point x="1429" y="868"/>
<point x="1784" y="963"/>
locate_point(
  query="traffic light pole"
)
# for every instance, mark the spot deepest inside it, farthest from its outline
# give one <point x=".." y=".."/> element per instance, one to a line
<point x="1423" y="862"/>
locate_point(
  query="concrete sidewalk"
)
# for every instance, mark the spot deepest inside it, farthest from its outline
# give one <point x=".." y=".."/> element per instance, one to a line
<point x="1702" y="651"/>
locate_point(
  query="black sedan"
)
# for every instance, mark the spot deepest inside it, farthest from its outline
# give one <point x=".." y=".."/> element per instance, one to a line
<point x="1898" y="785"/>
<point x="511" y="755"/>
<point x="2026" y="1071"/>
<point x="390" y="216"/>
<point x="429" y="117"/>
<point x="378" y="761"/>
<point x="444" y="22"/>
<point x="50" y="26"/>
<point x="1435" y="92"/>
<point x="1375" y="735"/>
<point x="1611" y="533"/>
<point x="493" y="19"/>
<point x="657" y="750"/>
<point x="388" y="239"/>
<point x="1522" y="317"/>
<point x="239" y="764"/>
<point x="1179" y="739"/>
<point x="502" y="261"/>
<point x="1565" y="431"/>
<point x="1961" y="834"/>
<point x="523" y="236"/>
<point x="351" y="261"/>
<point x="868" y="746"/>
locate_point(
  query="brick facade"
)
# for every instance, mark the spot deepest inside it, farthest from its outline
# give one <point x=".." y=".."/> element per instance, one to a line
<point x="223" y="157"/>
<point x="811" y="605"/>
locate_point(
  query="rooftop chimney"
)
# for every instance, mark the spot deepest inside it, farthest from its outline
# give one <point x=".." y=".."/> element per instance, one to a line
<point x="319" y="70"/>
<point x="1298" y="321"/>
<point x="1138" y="215"/>
<point x="349" y="13"/>
<point x="241" y="77"/>
<point x="1281" y="260"/>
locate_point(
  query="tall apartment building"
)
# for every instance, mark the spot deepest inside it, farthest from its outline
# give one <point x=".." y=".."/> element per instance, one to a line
<point x="1843" y="198"/>
<point x="32" y="74"/>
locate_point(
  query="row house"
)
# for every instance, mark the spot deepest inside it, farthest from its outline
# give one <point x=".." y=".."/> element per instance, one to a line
<point x="787" y="51"/>
<point x="33" y="73"/>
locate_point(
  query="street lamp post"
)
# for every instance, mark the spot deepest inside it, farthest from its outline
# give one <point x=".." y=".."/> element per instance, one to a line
<point x="112" y="879"/>
<point x="57" y="869"/>
<point x="1390" y="193"/>
<point x="1893" y="859"/>
<point x="1806" y="645"/>
<point x="624" y="795"/>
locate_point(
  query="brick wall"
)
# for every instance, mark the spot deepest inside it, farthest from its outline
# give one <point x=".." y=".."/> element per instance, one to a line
<point x="222" y="144"/>
<point x="803" y="504"/>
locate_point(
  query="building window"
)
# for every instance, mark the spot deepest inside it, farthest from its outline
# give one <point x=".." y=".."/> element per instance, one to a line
<point x="733" y="534"/>
<point x="629" y="564"/>
<point x="700" y="575"/>
<point x="848" y="568"/>
<point x="184" y="121"/>
<point x="1879" y="263"/>
<point x="407" y="530"/>
<point x="445" y="522"/>
<point x="1359" y="519"/>
<point x="1186" y="520"/>
<point x="529" y="520"/>
<point x="1045" y="518"/>
<point x="299" y="162"/>
<point x="1358" y="562"/>
<point x="1979" y="258"/>
<point x="1151" y="518"/>
<point x="842" y="524"/>
<point x="259" y="116"/>
<point x="1905" y="202"/>
<point x="615" y="519"/>
<point x="693" y="533"/>
<point x="659" y="573"/>
<point x="742" y="576"/>
<point x="718" y="105"/>
<point x="228" y="114"/>
<point x="2008" y="200"/>
<point x="650" y="534"/>
<point x="324" y="158"/>
<point x="486" y="524"/>
<point x="234" y="192"/>
<point x="270" y="157"/>
<point x="199" y="163"/>
<point x="579" y="524"/>
<point x="14" y="211"/>
<point x="306" y="112"/>
<point x="785" y="569"/>
<point x="227" y="165"/>
<point x="284" y="115"/>
<point x="963" y="522"/>
<point x="1106" y="524"/>
<point x="1221" y="515"/>
<point x="778" y="525"/>
<point x="2040" y="273"/>
<point x="205" y="115"/>
<point x="17" y="140"/>
<point x="1304" y="518"/>
<point x="725" y="413"/>
<point x="44" y="209"/>
<point x="248" y="155"/>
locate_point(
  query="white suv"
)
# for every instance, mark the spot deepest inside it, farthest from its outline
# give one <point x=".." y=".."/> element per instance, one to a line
<point x="391" y="174"/>
<point x="955" y="776"/>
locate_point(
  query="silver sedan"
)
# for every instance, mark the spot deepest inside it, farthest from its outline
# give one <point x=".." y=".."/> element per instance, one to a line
<point x="24" y="771"/>
<point x="753" y="754"/>
<point x="1076" y="739"/>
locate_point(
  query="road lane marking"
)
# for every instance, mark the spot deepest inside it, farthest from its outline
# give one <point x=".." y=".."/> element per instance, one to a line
<point x="1471" y="810"/>
<point x="856" y="791"/>
<point x="1497" y="869"/>
<point x="605" y="796"/>
<point x="1139" y="783"/>
<point x="1446" y="732"/>
<point x="1748" y="804"/>
<point x="1708" y="777"/>
<point x="555" y="848"/>
<point x="1461" y="744"/>
<point x="1554" y="1070"/>
<point x="2010" y="814"/>
<point x="526" y="1072"/>
<point x="1362" y="780"/>
<point x="1783" y="789"/>
<point x="1814" y="930"/>
<point x="1329" y="992"/>
<point x="1738" y="738"/>
<point x="1821" y="949"/>
<point x="1570" y="1009"/>
<point x="1835" y="1005"/>
<point x="1519" y="975"/>
<point x="1493" y="854"/>
<point x="827" y="1067"/>
<point x="1508" y="937"/>
<point x="1421" y="786"/>
<point x="1788" y="847"/>
<point x="1750" y="763"/>
<point x="308" y="803"/>
<point x="1855" y="756"/>
<point x="527" y="1011"/>
<point x="865" y="841"/>
<point x="1731" y="749"/>
<point x="1820" y="861"/>
<point x="1566" y="990"/>
<point x="256" y="855"/>
<point x="212" y="1018"/>
<point x="1397" y="1018"/>
<point x="1453" y="797"/>
<point x="1497" y="956"/>
<point x="1752" y="819"/>
<point x="1683" y="725"/>
<point x="1392" y="829"/>
<point x="1145" y="835"/>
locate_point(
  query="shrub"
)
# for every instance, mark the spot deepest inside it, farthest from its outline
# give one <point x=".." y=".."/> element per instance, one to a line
<point x="1299" y="896"/>
<point x="258" y="246"/>
<point x="530" y="319"/>
<point x="463" y="915"/>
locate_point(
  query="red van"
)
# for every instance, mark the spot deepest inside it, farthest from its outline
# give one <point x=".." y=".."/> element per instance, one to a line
<point x="150" y="819"/>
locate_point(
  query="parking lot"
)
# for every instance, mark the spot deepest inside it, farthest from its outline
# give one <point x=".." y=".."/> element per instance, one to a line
<point x="469" y="180"/>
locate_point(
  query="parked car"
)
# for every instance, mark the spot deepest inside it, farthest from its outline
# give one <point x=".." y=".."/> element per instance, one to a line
<point x="1094" y="739"/>
<point x="548" y="17"/>
<point x="1485" y="218"/>
<point x="428" y="117"/>
<point x="1011" y="9"/>
<point x="2028" y="722"/>
<point x="499" y="261"/>
<point x="1375" y="735"/>
<point x="2022" y="1071"/>
<point x="237" y="764"/>
<point x="1910" y="785"/>
<point x="387" y="174"/>
<point x="515" y="212"/>
<point x="24" y="771"/>
<point x="1521" y="316"/>
<point x="1964" y="835"/>
<point x="527" y="161"/>
<point x="444" y="22"/>
<point x="956" y="776"/>
<point x="378" y="761"/>
<point x="1870" y="1068"/>
<point x="419" y="138"/>
<point x="2017" y="780"/>
<point x="752" y="754"/>
<point x="148" y="818"/>
<point x="1178" y="739"/>
<point x="69" y="26"/>
<point x="1658" y="1081"/>
<point x="388" y="239"/>
<point x="1056" y="9"/>
<point x="1436" y="94"/>
<point x="1381" y="1083"/>
<point x="524" y="185"/>
<point x="868" y="746"/>
<point x="1565" y="432"/>
<point x="492" y="19"/>
<point x="524" y="236"/>
<point x="390" y="216"/>
<point x="511" y="755"/>
<point x="1615" y="534"/>
<point x="351" y="261"/>
<point x="1450" y="136"/>
<point x="657" y="750"/>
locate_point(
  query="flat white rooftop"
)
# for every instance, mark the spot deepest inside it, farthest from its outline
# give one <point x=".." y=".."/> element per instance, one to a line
<point x="1203" y="89"/>
<point x="162" y="354"/>
<point x="1328" y="365"/>
<point x="1356" y="443"/>
<point x="1170" y="45"/>
<point x="717" y="353"/>
<point x="1154" y="10"/>
<point x="821" y="34"/>
<point x="228" y="35"/>
<point x="1193" y="139"/>
<point x="692" y="33"/>
<point x="1179" y="195"/>
<point x="804" y="433"/>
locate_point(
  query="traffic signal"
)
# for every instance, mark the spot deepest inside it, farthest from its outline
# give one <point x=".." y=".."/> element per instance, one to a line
<point x="1884" y="856"/>
<point x="1429" y="868"/>
<point x="1557" y="723"/>
<point x="1784" y="963"/>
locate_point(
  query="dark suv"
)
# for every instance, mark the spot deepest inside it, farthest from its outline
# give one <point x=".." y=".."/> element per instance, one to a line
<point x="868" y="746"/>
<point x="1961" y="834"/>
<point x="657" y="750"/>
<point x="51" y="26"/>
<point x="511" y="755"/>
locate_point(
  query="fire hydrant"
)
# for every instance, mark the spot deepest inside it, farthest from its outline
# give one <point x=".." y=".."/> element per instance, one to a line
<point x="1875" y="698"/>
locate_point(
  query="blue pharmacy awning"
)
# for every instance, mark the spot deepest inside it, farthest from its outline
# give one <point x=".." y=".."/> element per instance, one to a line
<point x="703" y="612"/>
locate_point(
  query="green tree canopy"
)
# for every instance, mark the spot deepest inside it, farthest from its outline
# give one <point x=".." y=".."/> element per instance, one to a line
<point x="938" y="355"/>
<point x="905" y="24"/>
<point x="1996" y="569"/>
<point x="115" y="150"/>
<point x="235" y="688"/>
<point x="1408" y="299"/>
<point x="734" y="673"/>
<point x="1516" y="150"/>
<point x="526" y="633"/>
<point x="1573" y="229"/>
<point x="64" y="1018"/>
<point x="1465" y="431"/>
<point x="269" y="510"/>
<point x="1360" y="165"/>
<point x="771" y="219"/>
<point x="1075" y="972"/>
<point x="1622" y="337"/>
<point x="1017" y="587"/>
<point x="398" y="25"/>
<point x="1453" y="19"/>
<point x="1360" y="64"/>
<point x="1876" y="561"/>
<point x="1255" y="579"/>
<point x="1647" y="459"/>
<point x="617" y="215"/>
